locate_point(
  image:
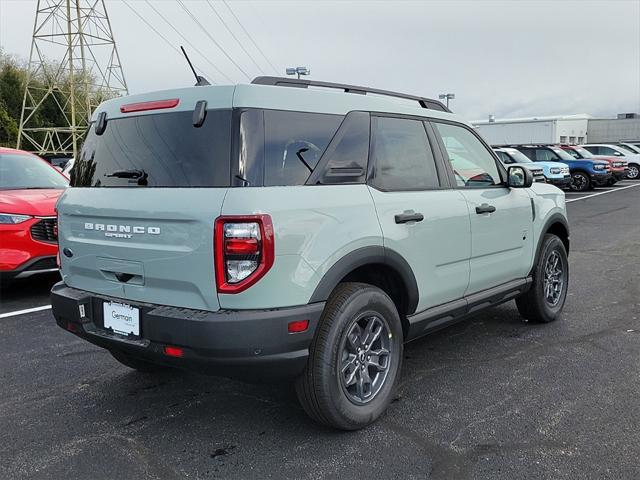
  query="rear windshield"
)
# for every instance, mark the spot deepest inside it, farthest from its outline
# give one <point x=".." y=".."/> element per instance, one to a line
<point x="19" y="172"/>
<point x="159" y="150"/>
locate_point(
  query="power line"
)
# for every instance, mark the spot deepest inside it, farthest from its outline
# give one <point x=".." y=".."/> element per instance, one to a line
<point x="250" y="37"/>
<point x="184" y="7"/>
<point x="152" y="28"/>
<point x="188" y="42"/>
<point x="234" y="36"/>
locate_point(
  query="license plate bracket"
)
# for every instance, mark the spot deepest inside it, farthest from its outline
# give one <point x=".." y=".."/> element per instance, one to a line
<point x="122" y="318"/>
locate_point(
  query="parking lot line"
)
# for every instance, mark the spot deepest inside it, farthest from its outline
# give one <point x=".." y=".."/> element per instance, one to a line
<point x="26" y="310"/>
<point x="603" y="193"/>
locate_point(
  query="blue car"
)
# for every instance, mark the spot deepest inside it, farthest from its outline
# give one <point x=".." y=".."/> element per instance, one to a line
<point x="555" y="173"/>
<point x="585" y="173"/>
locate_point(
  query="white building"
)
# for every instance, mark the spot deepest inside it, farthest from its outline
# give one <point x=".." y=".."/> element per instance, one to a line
<point x="571" y="129"/>
<point x="625" y="128"/>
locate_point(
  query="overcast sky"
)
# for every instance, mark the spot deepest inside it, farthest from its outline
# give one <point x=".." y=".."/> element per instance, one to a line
<point x="508" y="58"/>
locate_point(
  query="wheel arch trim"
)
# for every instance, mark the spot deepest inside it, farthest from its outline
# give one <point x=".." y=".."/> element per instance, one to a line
<point x="368" y="256"/>
<point x="553" y="219"/>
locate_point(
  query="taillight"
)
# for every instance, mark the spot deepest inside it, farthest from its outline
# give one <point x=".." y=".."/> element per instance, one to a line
<point x="243" y="251"/>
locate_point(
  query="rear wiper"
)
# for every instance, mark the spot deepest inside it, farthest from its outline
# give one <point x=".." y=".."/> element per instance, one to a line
<point x="127" y="174"/>
<point x="301" y="158"/>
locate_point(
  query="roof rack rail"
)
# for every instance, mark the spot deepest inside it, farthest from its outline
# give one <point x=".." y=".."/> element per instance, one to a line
<point x="304" y="83"/>
<point x="516" y="145"/>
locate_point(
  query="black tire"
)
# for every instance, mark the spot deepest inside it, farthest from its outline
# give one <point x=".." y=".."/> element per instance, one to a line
<point x="634" y="171"/>
<point x="137" y="363"/>
<point x="322" y="388"/>
<point x="611" y="182"/>
<point x="580" y="182"/>
<point x="535" y="305"/>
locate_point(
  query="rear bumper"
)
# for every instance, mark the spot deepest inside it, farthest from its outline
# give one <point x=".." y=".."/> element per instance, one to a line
<point x="248" y="344"/>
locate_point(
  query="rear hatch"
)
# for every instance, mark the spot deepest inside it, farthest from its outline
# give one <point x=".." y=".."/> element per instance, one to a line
<point x="138" y="222"/>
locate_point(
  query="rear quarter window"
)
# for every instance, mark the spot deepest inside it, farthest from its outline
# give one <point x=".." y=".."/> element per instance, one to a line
<point x="293" y="144"/>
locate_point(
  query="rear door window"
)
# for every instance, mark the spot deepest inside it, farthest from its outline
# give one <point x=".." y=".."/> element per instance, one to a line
<point x="158" y="150"/>
<point x="293" y="144"/>
<point x="401" y="155"/>
<point x="545" y="155"/>
<point x="593" y="150"/>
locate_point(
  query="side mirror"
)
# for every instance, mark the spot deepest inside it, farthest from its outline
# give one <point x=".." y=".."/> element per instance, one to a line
<point x="519" y="177"/>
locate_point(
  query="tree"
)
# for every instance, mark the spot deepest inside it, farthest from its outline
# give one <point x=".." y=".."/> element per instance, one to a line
<point x="12" y="80"/>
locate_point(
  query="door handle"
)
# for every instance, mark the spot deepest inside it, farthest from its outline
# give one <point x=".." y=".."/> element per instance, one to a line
<point x="485" y="208"/>
<point x="409" y="216"/>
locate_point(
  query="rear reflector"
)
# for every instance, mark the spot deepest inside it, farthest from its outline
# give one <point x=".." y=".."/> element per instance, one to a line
<point x="154" y="105"/>
<point x="173" y="351"/>
<point x="298" y="326"/>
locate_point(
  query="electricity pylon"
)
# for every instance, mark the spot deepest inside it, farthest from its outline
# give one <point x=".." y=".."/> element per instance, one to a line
<point x="73" y="66"/>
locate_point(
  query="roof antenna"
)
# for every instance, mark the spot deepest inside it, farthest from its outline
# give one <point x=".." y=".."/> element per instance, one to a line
<point x="200" y="81"/>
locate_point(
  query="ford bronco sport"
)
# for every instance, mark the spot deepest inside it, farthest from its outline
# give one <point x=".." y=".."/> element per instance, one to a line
<point x="271" y="230"/>
<point x="586" y="173"/>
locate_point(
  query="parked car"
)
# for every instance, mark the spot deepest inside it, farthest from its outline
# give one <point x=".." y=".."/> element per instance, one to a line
<point x="585" y="174"/>
<point x="629" y="146"/>
<point x="29" y="189"/>
<point x="619" y="168"/>
<point x="251" y="231"/>
<point x="554" y="173"/>
<point x="615" y="151"/>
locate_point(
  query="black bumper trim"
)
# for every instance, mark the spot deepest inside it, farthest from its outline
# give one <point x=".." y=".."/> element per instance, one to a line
<point x="248" y="344"/>
<point x="563" y="182"/>
<point x="600" y="179"/>
<point x="36" y="265"/>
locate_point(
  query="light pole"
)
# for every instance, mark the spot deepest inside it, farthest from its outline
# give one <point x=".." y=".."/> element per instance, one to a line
<point x="298" y="71"/>
<point x="448" y="96"/>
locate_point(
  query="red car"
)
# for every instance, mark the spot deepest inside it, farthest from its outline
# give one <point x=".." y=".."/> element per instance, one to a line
<point x="619" y="168"/>
<point x="29" y="190"/>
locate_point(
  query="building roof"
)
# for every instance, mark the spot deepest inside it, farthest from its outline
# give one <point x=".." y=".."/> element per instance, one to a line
<point x="579" y="116"/>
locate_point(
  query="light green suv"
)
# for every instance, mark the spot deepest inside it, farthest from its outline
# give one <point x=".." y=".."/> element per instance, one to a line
<point x="274" y="230"/>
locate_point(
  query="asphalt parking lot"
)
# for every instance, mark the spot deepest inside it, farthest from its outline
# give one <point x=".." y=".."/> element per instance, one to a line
<point x="492" y="397"/>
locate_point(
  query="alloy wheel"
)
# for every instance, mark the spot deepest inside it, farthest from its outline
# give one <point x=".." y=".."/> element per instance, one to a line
<point x="365" y="358"/>
<point x="633" y="172"/>
<point x="579" y="183"/>
<point x="553" y="279"/>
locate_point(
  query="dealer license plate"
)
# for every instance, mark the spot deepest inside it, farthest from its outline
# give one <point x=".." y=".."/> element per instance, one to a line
<point x="122" y="318"/>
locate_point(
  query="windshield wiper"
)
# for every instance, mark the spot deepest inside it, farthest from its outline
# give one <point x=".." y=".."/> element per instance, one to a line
<point x="127" y="174"/>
